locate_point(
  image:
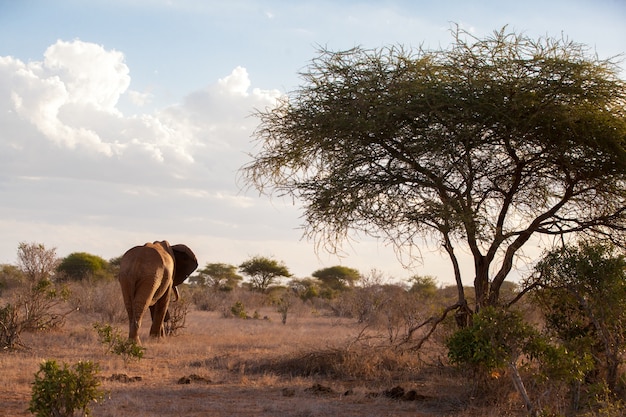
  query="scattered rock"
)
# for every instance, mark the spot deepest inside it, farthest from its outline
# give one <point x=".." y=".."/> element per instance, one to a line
<point x="319" y="389"/>
<point x="193" y="378"/>
<point x="124" y="378"/>
<point x="398" y="393"/>
<point x="288" y="392"/>
<point x="413" y="396"/>
<point x="395" y="393"/>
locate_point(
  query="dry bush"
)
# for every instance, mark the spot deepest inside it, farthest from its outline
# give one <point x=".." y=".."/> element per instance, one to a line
<point x="31" y="308"/>
<point x="208" y="299"/>
<point x="100" y="298"/>
<point x="177" y="316"/>
<point x="202" y="297"/>
<point x="381" y="364"/>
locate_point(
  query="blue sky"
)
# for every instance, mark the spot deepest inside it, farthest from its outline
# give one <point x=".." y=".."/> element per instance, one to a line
<point x="126" y="121"/>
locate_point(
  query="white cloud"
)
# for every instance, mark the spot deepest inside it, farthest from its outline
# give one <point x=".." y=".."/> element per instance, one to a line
<point x="237" y="82"/>
<point x="71" y="98"/>
<point x="158" y="174"/>
<point x="91" y="75"/>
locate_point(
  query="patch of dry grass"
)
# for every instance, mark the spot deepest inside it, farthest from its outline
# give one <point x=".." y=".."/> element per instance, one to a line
<point x="233" y="367"/>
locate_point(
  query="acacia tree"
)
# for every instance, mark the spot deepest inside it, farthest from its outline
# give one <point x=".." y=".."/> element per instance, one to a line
<point x="483" y="146"/>
<point x="337" y="277"/>
<point x="217" y="276"/>
<point x="263" y="272"/>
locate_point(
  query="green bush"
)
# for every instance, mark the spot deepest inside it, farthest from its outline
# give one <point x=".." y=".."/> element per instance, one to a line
<point x="496" y="338"/>
<point x="117" y="344"/>
<point x="80" y="265"/>
<point x="61" y="391"/>
<point x="239" y="310"/>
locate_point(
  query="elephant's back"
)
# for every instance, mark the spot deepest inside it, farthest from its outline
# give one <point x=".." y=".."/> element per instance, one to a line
<point x="139" y="261"/>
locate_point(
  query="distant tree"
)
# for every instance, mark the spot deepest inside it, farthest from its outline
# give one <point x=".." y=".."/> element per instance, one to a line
<point x="423" y="285"/>
<point x="10" y="277"/>
<point x="263" y="272"/>
<point x="114" y="265"/>
<point x="484" y="145"/>
<point x="36" y="262"/>
<point x="81" y="265"/>
<point x="306" y="288"/>
<point x="217" y="276"/>
<point x="337" y="278"/>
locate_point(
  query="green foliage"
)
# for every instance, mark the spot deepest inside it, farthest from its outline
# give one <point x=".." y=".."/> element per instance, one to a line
<point x="10" y="277"/>
<point x="63" y="391"/>
<point x="499" y="340"/>
<point x="217" y="276"/>
<point x="603" y="403"/>
<point x="117" y="344"/>
<point x="496" y="338"/>
<point x="263" y="272"/>
<point x="480" y="146"/>
<point x="425" y="286"/>
<point x="337" y="278"/>
<point x="582" y="292"/>
<point x="80" y="265"/>
<point x="306" y="288"/>
<point x="479" y="345"/>
<point x="238" y="310"/>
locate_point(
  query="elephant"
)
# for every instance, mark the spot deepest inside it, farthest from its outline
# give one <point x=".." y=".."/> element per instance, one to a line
<point x="148" y="276"/>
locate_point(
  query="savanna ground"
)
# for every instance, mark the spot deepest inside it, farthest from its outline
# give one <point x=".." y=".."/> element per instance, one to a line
<point x="314" y="365"/>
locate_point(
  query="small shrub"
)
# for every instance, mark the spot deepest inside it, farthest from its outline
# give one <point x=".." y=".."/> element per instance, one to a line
<point x="117" y="344"/>
<point x="177" y="317"/>
<point x="33" y="308"/>
<point x="496" y="338"/>
<point x="284" y="304"/>
<point x="238" y="310"/>
<point x="10" y="327"/>
<point x="62" y="391"/>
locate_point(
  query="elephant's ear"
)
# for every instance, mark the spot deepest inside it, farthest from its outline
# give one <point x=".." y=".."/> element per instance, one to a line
<point x="185" y="263"/>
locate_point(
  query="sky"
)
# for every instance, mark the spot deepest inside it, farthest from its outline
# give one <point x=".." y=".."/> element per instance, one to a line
<point x="127" y="121"/>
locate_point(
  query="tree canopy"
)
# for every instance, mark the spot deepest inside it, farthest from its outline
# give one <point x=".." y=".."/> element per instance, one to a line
<point x="263" y="272"/>
<point x="483" y="146"/>
<point x="81" y="265"/>
<point x="218" y="276"/>
<point x="337" y="277"/>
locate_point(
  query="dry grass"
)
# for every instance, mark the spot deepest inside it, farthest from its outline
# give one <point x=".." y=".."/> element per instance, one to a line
<point x="234" y="367"/>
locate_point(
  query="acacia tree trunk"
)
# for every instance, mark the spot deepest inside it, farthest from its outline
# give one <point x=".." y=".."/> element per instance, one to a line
<point x="481" y="283"/>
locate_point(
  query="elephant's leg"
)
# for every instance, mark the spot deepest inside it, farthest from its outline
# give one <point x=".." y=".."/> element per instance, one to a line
<point x="138" y="311"/>
<point x="133" y="323"/>
<point x="167" y="314"/>
<point x="158" y="312"/>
